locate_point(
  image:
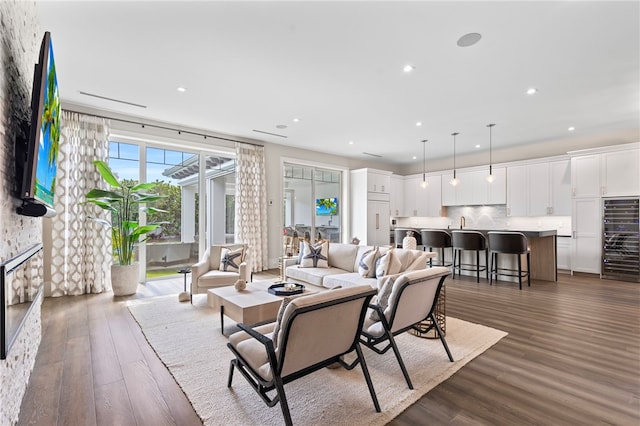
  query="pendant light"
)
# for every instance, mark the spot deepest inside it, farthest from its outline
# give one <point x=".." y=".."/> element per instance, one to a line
<point x="424" y="182"/>
<point x="455" y="181"/>
<point x="491" y="177"/>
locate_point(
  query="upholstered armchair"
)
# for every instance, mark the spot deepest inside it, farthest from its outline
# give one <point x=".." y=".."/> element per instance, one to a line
<point x="216" y="270"/>
<point x="402" y="303"/>
<point x="311" y="332"/>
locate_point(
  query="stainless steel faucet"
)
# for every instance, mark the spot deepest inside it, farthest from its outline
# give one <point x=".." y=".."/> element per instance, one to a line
<point x="463" y="222"/>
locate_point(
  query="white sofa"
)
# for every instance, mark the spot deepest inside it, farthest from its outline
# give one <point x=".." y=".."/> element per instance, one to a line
<point x="343" y="266"/>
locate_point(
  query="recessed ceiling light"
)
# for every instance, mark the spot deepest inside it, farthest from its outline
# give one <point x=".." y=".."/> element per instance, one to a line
<point x="296" y="120"/>
<point x="532" y="91"/>
<point x="571" y="129"/>
<point x="350" y="142"/>
<point x="414" y="157"/>
<point x="478" y="146"/>
<point x="419" y="123"/>
<point x="408" y="68"/>
<point x="181" y="89"/>
<point x="469" y="39"/>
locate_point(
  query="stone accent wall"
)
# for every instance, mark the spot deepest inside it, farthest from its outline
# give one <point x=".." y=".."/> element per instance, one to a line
<point x="20" y="37"/>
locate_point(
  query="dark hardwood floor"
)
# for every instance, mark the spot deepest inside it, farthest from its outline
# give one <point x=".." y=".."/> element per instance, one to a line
<point x="572" y="357"/>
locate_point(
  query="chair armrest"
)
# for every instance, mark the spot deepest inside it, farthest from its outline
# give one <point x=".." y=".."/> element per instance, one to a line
<point x="251" y="332"/>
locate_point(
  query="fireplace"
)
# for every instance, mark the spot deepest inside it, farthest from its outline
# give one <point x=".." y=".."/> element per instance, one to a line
<point x="21" y="286"/>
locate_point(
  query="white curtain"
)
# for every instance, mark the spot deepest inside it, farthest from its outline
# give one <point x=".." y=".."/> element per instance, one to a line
<point x="251" y="203"/>
<point x="81" y="254"/>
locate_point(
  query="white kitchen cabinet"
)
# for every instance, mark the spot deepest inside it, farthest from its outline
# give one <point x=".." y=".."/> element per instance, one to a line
<point x="396" y="196"/>
<point x="370" y="215"/>
<point x="539" y="189"/>
<point x="560" y="180"/>
<point x="619" y="175"/>
<point x="517" y="190"/>
<point x="423" y="202"/>
<point x="564" y="253"/>
<point x="378" y="181"/>
<point x="409" y="191"/>
<point x="473" y="188"/>
<point x="434" y="196"/>
<point x="378" y="228"/>
<point x="585" y="176"/>
<point x="586" y="233"/>
<point x="448" y="190"/>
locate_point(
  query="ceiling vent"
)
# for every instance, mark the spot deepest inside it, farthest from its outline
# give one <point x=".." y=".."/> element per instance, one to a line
<point x="269" y="133"/>
<point x="373" y="155"/>
<point x="111" y="99"/>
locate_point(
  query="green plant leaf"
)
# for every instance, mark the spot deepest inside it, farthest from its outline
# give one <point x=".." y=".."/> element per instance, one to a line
<point x="140" y="186"/>
<point x="153" y="210"/>
<point x="106" y="173"/>
<point x="101" y="193"/>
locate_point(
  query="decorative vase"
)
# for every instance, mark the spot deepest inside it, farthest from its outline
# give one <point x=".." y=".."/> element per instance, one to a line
<point x="409" y="242"/>
<point x="124" y="279"/>
<point x="240" y="284"/>
<point x="355" y="241"/>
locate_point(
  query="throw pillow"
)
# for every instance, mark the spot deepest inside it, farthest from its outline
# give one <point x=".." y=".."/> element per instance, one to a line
<point x="230" y="260"/>
<point x="382" y="298"/>
<point x="382" y="264"/>
<point x="367" y="263"/>
<point x="395" y="266"/>
<point x="419" y="263"/>
<point x="315" y="256"/>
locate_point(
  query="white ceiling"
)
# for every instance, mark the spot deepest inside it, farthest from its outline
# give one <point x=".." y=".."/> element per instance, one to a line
<point x="337" y="66"/>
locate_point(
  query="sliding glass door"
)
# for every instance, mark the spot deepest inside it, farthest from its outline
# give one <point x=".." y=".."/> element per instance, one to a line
<point x="311" y="205"/>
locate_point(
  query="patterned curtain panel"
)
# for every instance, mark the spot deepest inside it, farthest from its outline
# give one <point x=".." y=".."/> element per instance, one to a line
<point x="251" y="203"/>
<point x="81" y="255"/>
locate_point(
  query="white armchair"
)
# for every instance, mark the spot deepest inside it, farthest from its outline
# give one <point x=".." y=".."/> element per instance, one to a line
<point x="207" y="273"/>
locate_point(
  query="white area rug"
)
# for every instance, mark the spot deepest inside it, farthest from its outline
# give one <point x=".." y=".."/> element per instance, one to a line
<point x="187" y="339"/>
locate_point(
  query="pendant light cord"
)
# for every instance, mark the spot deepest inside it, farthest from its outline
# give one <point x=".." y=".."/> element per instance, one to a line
<point x="454" y="153"/>
<point x="490" y="126"/>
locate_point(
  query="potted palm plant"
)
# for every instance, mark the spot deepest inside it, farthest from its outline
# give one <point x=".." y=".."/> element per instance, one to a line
<point x="123" y="201"/>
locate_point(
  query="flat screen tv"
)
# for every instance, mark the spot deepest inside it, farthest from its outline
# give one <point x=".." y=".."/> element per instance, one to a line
<point x="40" y="154"/>
<point x="326" y="206"/>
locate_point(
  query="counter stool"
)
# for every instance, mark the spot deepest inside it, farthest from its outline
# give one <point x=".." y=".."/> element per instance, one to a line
<point x="509" y="243"/>
<point x="472" y="241"/>
<point x="439" y="239"/>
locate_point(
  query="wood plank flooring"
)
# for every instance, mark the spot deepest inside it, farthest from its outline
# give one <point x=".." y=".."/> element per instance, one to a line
<point x="572" y="357"/>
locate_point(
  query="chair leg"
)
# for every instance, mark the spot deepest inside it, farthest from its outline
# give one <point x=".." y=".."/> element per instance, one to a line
<point x="399" y="358"/>
<point x="231" y="367"/>
<point x="519" y="271"/>
<point x="528" y="269"/>
<point x="283" y="402"/>
<point x="453" y="268"/>
<point x="491" y="269"/>
<point x="367" y="377"/>
<point x="486" y="262"/>
<point x="478" y="266"/>
<point x="441" y="335"/>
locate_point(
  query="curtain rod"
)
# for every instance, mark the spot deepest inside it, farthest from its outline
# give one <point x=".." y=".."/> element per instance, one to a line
<point x="161" y="127"/>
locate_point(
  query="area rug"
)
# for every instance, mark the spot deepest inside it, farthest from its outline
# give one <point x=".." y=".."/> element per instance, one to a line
<point x="187" y="339"/>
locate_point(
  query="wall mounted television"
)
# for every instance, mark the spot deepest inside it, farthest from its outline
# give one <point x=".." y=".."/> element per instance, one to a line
<point x="327" y="206"/>
<point x="36" y="159"/>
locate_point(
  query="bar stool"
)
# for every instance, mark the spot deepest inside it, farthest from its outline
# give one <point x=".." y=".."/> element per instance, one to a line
<point x="439" y="239"/>
<point x="472" y="241"/>
<point x="509" y="243"/>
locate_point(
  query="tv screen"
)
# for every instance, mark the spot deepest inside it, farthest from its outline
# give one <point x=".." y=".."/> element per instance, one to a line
<point x="44" y="134"/>
<point x="326" y="206"/>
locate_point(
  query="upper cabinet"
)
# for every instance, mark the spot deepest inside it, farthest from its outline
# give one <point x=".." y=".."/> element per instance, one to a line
<point x="422" y="201"/>
<point x="539" y="189"/>
<point x="610" y="173"/>
<point x="378" y="181"/>
<point x="396" y="196"/>
<point x="473" y="188"/>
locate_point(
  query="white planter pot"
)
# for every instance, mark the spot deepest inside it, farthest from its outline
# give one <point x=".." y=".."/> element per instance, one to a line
<point x="124" y="279"/>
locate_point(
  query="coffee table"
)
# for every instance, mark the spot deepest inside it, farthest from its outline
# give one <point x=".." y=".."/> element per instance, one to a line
<point x="253" y="305"/>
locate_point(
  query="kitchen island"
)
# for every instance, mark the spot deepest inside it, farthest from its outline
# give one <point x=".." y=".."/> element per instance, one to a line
<point x="543" y="248"/>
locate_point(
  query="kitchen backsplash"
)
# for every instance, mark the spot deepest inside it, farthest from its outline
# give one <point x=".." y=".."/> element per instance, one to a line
<point x="487" y="217"/>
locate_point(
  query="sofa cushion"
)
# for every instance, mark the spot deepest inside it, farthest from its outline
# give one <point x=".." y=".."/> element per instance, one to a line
<point x="311" y="275"/>
<point x="230" y="260"/>
<point x="367" y="263"/>
<point x="343" y="256"/>
<point x="388" y="264"/>
<point x="217" y="278"/>
<point x="349" y="279"/>
<point x="315" y="256"/>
